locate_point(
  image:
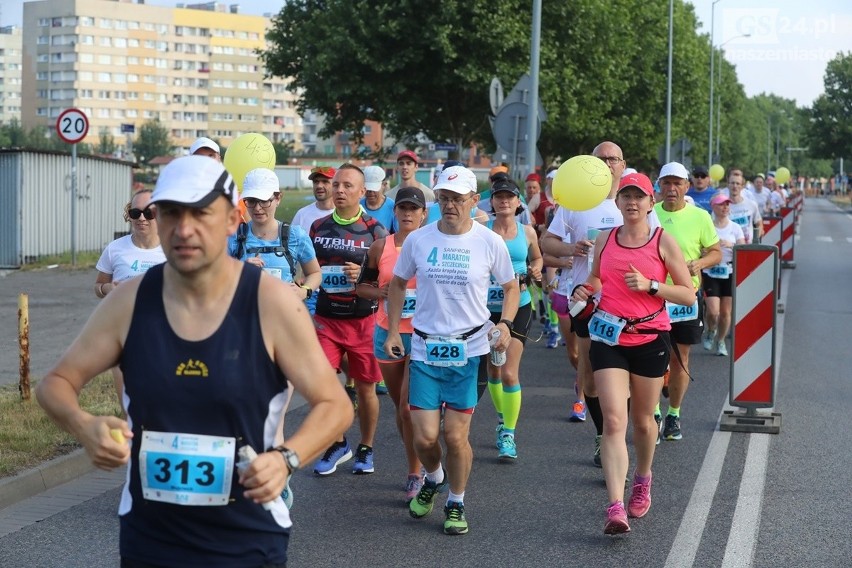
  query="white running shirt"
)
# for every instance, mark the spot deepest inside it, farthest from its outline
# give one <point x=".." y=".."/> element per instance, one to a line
<point x="124" y="260"/>
<point x="453" y="273"/>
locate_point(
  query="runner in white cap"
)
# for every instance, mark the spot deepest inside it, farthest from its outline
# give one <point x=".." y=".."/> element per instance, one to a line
<point x="205" y="147"/>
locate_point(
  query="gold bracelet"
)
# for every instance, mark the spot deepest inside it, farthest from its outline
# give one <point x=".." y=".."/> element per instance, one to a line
<point x="101" y="290"/>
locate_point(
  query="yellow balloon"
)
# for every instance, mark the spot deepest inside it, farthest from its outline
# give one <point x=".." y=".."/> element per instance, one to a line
<point x="581" y="183"/>
<point x="246" y="153"/>
<point x="782" y="175"/>
<point x="716" y="172"/>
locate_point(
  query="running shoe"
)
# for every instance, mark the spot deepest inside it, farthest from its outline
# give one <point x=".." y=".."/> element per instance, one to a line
<point x="381" y="388"/>
<point x="499" y="433"/>
<point x="578" y="412"/>
<point x="423" y="502"/>
<point x="553" y="339"/>
<point x="640" y="499"/>
<point x="455" y="523"/>
<point x="363" y="460"/>
<point x="338" y="453"/>
<point x="353" y="396"/>
<point x="287" y="495"/>
<point x="671" y="429"/>
<point x="708" y="340"/>
<point x="596" y="458"/>
<point x="412" y="487"/>
<point x="616" y="519"/>
<point x="508" y="449"/>
<point x="722" y="349"/>
<point x="659" y="420"/>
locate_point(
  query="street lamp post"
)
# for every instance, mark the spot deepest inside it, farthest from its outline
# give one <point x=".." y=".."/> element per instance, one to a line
<point x="669" y="85"/>
<point x="719" y="102"/>
<point x="768" y="143"/>
<point x="710" y="125"/>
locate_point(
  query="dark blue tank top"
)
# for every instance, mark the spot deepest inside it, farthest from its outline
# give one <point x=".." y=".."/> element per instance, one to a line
<point x="225" y="385"/>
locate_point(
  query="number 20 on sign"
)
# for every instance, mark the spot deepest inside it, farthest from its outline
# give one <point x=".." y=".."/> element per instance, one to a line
<point x="72" y="125"/>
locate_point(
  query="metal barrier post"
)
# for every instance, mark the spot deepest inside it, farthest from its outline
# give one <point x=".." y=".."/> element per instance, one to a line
<point x="752" y="380"/>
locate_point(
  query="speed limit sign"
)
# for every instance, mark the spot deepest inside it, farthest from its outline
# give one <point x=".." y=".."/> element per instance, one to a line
<point x="72" y="125"/>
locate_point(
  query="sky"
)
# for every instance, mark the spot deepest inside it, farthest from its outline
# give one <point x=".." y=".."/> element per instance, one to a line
<point x="789" y="44"/>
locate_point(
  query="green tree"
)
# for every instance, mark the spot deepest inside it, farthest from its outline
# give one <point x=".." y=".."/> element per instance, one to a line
<point x="106" y="142"/>
<point x="830" y="129"/>
<point x="415" y="70"/>
<point x="153" y="140"/>
<point x="283" y="151"/>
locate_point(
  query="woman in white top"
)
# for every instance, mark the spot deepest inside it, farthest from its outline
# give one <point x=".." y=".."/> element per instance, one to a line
<point x="129" y="256"/>
<point x="717" y="281"/>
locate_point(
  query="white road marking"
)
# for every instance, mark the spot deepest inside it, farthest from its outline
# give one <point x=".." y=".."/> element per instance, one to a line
<point x="825" y="239"/>
<point x="685" y="545"/>
<point x="742" y="539"/>
<point x="742" y="542"/>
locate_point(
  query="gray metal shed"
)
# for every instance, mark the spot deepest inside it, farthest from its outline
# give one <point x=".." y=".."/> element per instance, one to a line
<point x="35" y="203"/>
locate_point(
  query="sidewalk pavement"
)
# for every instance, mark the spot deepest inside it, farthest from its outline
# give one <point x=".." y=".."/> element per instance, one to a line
<point x="52" y="488"/>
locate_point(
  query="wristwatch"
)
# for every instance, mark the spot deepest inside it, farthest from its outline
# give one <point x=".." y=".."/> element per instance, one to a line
<point x="290" y="458"/>
<point x="509" y="323"/>
<point x="308" y="291"/>
<point x="654" y="288"/>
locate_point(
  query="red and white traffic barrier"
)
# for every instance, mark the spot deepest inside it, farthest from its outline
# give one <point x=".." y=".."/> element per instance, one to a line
<point x="788" y="237"/>
<point x="752" y="383"/>
<point x="797" y="202"/>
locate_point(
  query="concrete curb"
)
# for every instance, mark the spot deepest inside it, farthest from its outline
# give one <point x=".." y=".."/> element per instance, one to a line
<point x="46" y="476"/>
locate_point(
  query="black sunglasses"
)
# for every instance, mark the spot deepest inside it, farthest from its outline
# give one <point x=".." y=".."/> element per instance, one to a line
<point x="699" y="176"/>
<point x="136" y="213"/>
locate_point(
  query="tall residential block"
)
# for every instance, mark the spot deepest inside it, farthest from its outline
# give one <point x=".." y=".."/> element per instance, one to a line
<point x="10" y="74"/>
<point x="193" y="68"/>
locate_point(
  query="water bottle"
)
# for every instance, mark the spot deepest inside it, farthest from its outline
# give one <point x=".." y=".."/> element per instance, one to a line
<point x="498" y="359"/>
<point x="577" y="308"/>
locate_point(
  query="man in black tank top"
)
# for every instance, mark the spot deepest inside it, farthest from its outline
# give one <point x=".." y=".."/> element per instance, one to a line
<point x="205" y="369"/>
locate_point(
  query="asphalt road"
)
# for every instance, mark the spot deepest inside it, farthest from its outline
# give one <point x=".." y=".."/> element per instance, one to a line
<point x="719" y="498"/>
<point x="60" y="302"/>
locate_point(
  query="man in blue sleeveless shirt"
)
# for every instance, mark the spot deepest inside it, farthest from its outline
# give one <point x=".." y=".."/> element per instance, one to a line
<point x="205" y="376"/>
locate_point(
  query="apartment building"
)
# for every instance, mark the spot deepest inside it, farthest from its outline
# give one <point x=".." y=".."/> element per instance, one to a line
<point x="10" y="74"/>
<point x="193" y="68"/>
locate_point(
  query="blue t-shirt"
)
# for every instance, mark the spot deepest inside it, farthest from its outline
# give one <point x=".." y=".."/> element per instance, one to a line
<point x="702" y="198"/>
<point x="299" y="244"/>
<point x="383" y="214"/>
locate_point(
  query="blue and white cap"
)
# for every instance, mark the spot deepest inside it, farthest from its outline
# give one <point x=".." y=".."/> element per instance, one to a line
<point x="194" y="181"/>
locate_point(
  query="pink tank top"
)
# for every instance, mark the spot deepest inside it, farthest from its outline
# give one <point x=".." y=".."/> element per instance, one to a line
<point x="386" y="263"/>
<point x="619" y="300"/>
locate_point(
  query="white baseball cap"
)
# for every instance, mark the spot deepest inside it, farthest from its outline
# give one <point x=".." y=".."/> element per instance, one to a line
<point x="674" y="169"/>
<point x="458" y="179"/>
<point x="194" y="181"/>
<point x="373" y="178"/>
<point x="204" y="142"/>
<point x="260" y="183"/>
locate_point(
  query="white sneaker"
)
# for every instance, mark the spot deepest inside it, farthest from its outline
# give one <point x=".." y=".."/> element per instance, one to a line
<point x="708" y="340"/>
<point x="722" y="350"/>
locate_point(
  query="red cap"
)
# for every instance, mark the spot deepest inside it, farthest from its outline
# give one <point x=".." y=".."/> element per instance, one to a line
<point x="322" y="171"/>
<point x="533" y="177"/>
<point x="637" y="180"/>
<point x="408" y="154"/>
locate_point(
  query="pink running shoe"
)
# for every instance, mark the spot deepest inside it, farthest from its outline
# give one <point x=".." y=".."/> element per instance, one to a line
<point x="640" y="499"/>
<point x="616" y="519"/>
<point x="412" y="487"/>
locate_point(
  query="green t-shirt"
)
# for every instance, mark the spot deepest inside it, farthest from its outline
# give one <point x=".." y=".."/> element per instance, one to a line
<point x="692" y="228"/>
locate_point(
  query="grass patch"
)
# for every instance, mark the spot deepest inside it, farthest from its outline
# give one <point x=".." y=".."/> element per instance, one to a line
<point x="292" y="201"/>
<point x="85" y="260"/>
<point x="29" y="438"/>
